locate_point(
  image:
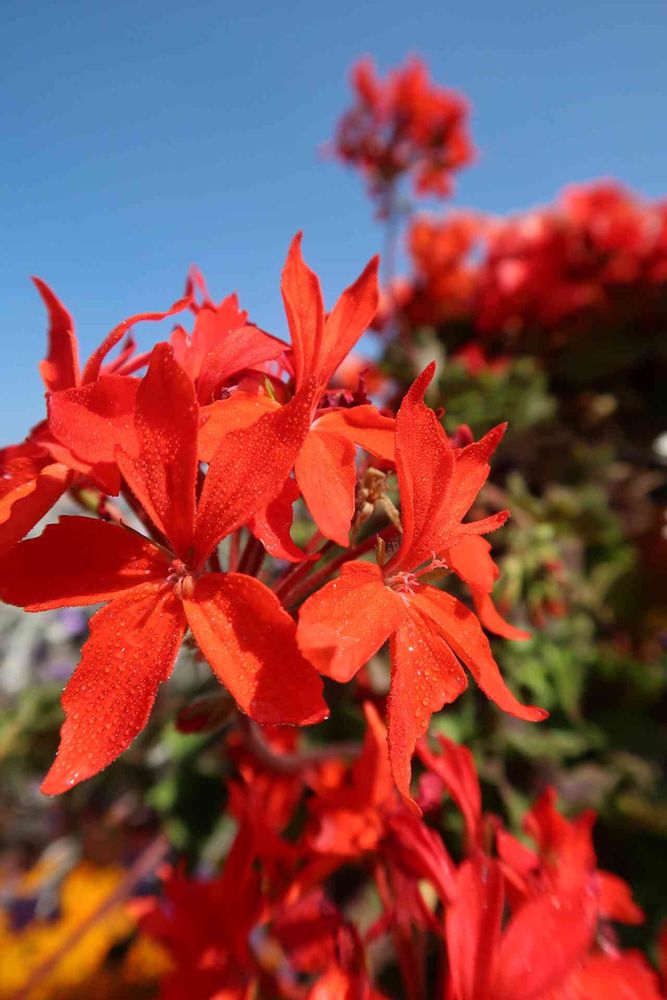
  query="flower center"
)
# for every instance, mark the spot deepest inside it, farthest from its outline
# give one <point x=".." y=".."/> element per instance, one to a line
<point x="181" y="579"/>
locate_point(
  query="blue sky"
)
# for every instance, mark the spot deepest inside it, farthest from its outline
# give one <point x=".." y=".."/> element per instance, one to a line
<point x="136" y="138"/>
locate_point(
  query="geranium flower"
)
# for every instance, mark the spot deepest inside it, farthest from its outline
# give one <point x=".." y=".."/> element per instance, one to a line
<point x="222" y="343"/>
<point x="431" y="633"/>
<point x="90" y="413"/>
<point x="156" y="591"/>
<point x="325" y="469"/>
<point x="405" y="124"/>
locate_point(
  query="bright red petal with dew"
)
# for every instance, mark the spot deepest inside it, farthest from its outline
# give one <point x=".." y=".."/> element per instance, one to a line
<point x="132" y="648"/>
<point x="163" y="475"/>
<point x="78" y="561"/>
<point x="233" y="414"/>
<point x="424" y="462"/>
<point x="249" y="641"/>
<point x="349" y="319"/>
<point x="492" y="620"/>
<point x="304" y="307"/>
<point x="363" y="425"/>
<point x="94" y="419"/>
<point x="544" y="942"/>
<point x="471" y="470"/>
<point x="21" y="463"/>
<point x="24" y="506"/>
<point x="272" y="525"/>
<point x="96" y="359"/>
<point x="462" y="632"/>
<point x="342" y="625"/>
<point x="473" y="930"/>
<point x="241" y="349"/>
<point x="471" y="559"/>
<point x="425" y="675"/>
<point x="249" y="468"/>
<point x="326" y="474"/>
<point x="60" y="367"/>
<point x="212" y="326"/>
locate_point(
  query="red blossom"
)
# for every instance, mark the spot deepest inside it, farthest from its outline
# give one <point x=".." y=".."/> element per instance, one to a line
<point x="405" y="124"/>
<point x="325" y="470"/>
<point x="431" y="633"/>
<point x="157" y="591"/>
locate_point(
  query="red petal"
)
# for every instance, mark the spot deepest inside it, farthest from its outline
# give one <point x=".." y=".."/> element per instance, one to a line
<point x="104" y="475"/>
<point x="473" y="930"/>
<point x="241" y="349"/>
<point x="485" y="525"/>
<point x="249" y="468"/>
<point x="548" y="936"/>
<point x="471" y="559"/>
<point x="319" y="346"/>
<point x="424" y="462"/>
<point x="326" y="474"/>
<point x="21" y="463"/>
<point x="616" y="976"/>
<point x="463" y="633"/>
<point x="94" y="363"/>
<point x="304" y="307"/>
<point x="349" y="319"/>
<point x="371" y="770"/>
<point x="132" y="648"/>
<point x="212" y="325"/>
<point x="219" y="418"/>
<point x="94" y="419"/>
<point x="249" y="641"/>
<point x="471" y="471"/>
<point x="77" y="561"/>
<point x="616" y="902"/>
<point x="60" y="367"/>
<point x="491" y="619"/>
<point x="342" y="625"/>
<point x="425" y="675"/>
<point x="272" y="525"/>
<point x="163" y="475"/>
<point x="29" y="501"/>
<point x="363" y="425"/>
<point x="455" y="766"/>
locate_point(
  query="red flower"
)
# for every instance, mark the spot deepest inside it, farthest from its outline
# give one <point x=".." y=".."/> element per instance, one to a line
<point x="156" y="592"/>
<point x="325" y="469"/>
<point x="565" y="858"/>
<point x="221" y="345"/>
<point x="89" y="415"/>
<point x="345" y="623"/>
<point x="543" y="942"/>
<point x="404" y="125"/>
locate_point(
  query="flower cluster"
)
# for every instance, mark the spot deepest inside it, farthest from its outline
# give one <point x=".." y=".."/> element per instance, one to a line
<point x="209" y="450"/>
<point x="505" y="919"/>
<point x="404" y="125"/>
<point x="598" y="257"/>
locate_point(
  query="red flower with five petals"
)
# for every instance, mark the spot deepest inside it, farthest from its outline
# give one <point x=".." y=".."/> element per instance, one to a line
<point x="431" y="633"/>
<point x="155" y="592"/>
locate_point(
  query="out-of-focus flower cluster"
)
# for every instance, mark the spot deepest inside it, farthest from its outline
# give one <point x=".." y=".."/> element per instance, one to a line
<point x="403" y="126"/>
<point x="333" y="885"/>
<point x="598" y="258"/>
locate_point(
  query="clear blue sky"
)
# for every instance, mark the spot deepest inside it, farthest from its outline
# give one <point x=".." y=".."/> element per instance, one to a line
<point x="136" y="138"/>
